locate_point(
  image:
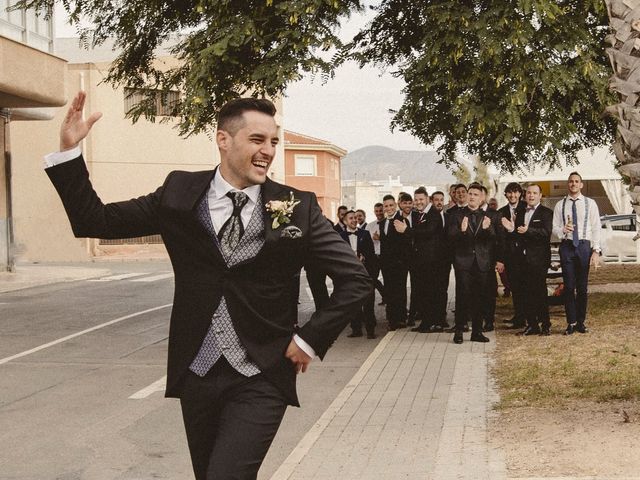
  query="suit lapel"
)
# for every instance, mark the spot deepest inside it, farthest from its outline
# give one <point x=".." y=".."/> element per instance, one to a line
<point x="271" y="191"/>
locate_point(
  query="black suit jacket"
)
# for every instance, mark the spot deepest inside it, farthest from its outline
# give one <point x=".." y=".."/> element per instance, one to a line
<point x="395" y="247"/>
<point x="480" y="245"/>
<point x="429" y="238"/>
<point x="364" y="247"/>
<point x="255" y="290"/>
<point x="535" y="243"/>
<point x="511" y="247"/>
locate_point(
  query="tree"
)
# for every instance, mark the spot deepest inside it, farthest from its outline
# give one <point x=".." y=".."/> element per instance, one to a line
<point x="515" y="82"/>
<point x="227" y="48"/>
<point x="625" y="61"/>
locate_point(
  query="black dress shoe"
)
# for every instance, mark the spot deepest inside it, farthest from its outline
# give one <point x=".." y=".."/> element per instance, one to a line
<point x="488" y="328"/>
<point x="457" y="337"/>
<point x="580" y="328"/>
<point x="478" y="337"/>
<point x="354" y="334"/>
<point x="546" y="331"/>
<point x="570" y="329"/>
<point x="436" y="328"/>
<point x="371" y="336"/>
<point x="411" y="323"/>
<point x="420" y="329"/>
<point x="450" y="330"/>
<point x="531" y="331"/>
<point x="401" y="325"/>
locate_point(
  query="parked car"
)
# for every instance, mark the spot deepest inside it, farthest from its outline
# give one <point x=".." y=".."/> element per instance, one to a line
<point x="617" y="236"/>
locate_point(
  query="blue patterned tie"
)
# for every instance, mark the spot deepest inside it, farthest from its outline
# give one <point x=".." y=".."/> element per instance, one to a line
<point x="231" y="232"/>
<point x="574" y="215"/>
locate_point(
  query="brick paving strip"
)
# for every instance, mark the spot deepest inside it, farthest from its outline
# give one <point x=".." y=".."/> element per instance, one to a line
<point x="418" y="408"/>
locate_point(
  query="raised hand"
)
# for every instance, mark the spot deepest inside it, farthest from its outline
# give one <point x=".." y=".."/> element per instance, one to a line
<point x="486" y="223"/>
<point x="465" y="224"/>
<point x="74" y="128"/>
<point x="508" y="224"/>
<point x="400" y="226"/>
<point x="523" y="229"/>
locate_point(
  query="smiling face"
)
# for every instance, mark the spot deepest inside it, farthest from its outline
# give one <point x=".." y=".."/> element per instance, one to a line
<point x="406" y="206"/>
<point x="438" y="201"/>
<point x="420" y="201"/>
<point x="461" y="195"/>
<point x="245" y="156"/>
<point x="378" y="212"/>
<point x="513" y="197"/>
<point x="350" y="220"/>
<point x="575" y="185"/>
<point x="390" y="208"/>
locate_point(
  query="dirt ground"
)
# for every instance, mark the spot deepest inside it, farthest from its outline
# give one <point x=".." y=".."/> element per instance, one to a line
<point x="590" y="440"/>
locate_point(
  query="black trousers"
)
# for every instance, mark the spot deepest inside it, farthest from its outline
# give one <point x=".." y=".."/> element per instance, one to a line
<point x="437" y="308"/>
<point x="395" y="291"/>
<point x="536" y="308"/>
<point x="471" y="292"/>
<point x="366" y="316"/>
<point x="375" y="273"/>
<point x="230" y="421"/>
<point x="518" y="292"/>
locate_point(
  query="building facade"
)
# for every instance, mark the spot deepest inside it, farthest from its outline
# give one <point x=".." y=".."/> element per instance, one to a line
<point x="313" y="164"/>
<point x="124" y="160"/>
<point x="31" y="80"/>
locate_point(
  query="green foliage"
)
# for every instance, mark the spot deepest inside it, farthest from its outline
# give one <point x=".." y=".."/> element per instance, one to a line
<point x="515" y="82"/>
<point x="225" y="48"/>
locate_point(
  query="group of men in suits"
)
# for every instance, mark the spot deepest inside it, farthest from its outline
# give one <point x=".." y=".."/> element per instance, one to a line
<point x="420" y="239"/>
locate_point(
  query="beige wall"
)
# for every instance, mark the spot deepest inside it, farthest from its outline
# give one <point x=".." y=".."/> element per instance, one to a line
<point x="124" y="161"/>
<point x="4" y="127"/>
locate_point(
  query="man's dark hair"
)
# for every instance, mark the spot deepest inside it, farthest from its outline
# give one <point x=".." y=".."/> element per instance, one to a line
<point x="421" y="190"/>
<point x="388" y="197"/>
<point x="437" y="192"/>
<point x="378" y="205"/>
<point x="513" y="187"/>
<point x="348" y="212"/>
<point x="475" y="186"/>
<point x="574" y="173"/>
<point x="362" y="211"/>
<point x="461" y="185"/>
<point x="404" y="197"/>
<point x="343" y="207"/>
<point x="230" y="115"/>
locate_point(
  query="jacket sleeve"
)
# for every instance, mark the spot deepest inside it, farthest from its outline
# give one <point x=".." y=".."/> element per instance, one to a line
<point x="543" y="231"/>
<point x="328" y="253"/>
<point x="89" y="217"/>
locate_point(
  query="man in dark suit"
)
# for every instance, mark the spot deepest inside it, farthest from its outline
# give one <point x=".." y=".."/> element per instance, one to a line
<point x="340" y="226"/>
<point x="360" y="242"/>
<point x="233" y="353"/>
<point x="474" y="237"/>
<point x="430" y="262"/>
<point x="533" y="227"/>
<point x="395" y="252"/>
<point x="419" y="281"/>
<point x="515" y="205"/>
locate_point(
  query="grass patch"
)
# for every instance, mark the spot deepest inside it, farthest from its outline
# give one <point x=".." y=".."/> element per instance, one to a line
<point x="615" y="273"/>
<point x="601" y="366"/>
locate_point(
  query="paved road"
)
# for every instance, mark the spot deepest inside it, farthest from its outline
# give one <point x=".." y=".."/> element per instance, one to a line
<point x="81" y="369"/>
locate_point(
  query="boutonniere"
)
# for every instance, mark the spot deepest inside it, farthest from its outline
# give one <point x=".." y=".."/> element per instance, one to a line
<point x="281" y="210"/>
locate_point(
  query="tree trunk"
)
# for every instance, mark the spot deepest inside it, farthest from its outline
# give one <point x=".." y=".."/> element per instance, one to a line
<point x="624" y="54"/>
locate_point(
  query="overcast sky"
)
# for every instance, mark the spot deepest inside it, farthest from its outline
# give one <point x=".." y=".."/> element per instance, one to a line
<point x="350" y="110"/>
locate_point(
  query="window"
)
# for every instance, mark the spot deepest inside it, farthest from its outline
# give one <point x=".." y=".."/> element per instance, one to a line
<point x="164" y="101"/>
<point x="305" y="165"/>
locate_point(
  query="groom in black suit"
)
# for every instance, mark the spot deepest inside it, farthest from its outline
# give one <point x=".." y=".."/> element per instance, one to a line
<point x="236" y="240"/>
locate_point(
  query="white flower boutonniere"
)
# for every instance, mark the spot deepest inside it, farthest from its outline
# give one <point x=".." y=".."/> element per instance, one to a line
<point x="281" y="210"/>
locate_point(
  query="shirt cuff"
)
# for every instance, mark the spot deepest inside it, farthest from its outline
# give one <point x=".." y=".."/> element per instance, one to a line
<point x="57" y="158"/>
<point x="306" y="348"/>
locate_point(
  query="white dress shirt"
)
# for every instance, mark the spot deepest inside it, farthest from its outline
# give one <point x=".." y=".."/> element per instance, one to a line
<point x="353" y="239"/>
<point x="220" y="207"/>
<point x="593" y="222"/>
<point x="529" y="213"/>
<point x="373" y="227"/>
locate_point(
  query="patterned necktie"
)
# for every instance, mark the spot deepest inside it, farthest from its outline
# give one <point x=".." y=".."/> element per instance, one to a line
<point x="232" y="230"/>
<point x="574" y="216"/>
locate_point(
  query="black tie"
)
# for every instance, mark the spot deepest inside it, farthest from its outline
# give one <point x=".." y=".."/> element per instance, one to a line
<point x="352" y="233"/>
<point x="232" y="230"/>
<point x="473" y="221"/>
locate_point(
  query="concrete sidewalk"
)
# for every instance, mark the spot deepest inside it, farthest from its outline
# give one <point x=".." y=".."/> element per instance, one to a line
<point x="417" y="409"/>
<point x="35" y="275"/>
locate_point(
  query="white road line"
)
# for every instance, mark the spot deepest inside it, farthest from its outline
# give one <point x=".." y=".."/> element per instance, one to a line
<point x="295" y="457"/>
<point x="156" y="386"/>
<point x="154" y="278"/>
<point x="118" y="277"/>
<point x="74" y="335"/>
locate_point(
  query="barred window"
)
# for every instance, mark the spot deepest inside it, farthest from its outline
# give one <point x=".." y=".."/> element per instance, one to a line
<point x="164" y="101"/>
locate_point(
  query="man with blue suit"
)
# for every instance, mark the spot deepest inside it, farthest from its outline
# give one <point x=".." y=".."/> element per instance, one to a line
<point x="361" y="243"/>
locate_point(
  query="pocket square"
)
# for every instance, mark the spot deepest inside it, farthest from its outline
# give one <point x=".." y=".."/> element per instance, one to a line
<point x="291" y="232"/>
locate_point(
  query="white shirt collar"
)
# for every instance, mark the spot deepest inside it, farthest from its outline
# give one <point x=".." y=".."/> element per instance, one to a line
<point x="221" y="187"/>
<point x="579" y="197"/>
<point x="534" y="207"/>
<point x="352" y="231"/>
